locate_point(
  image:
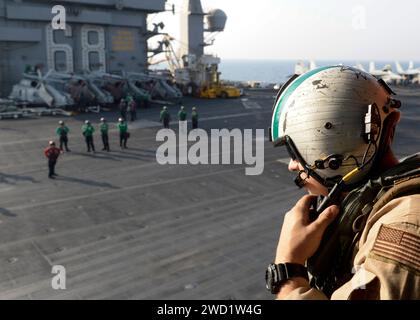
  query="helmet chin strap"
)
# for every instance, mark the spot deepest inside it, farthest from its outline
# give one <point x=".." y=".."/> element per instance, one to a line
<point x="299" y="181"/>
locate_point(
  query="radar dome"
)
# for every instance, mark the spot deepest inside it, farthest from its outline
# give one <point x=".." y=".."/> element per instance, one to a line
<point x="216" y="20"/>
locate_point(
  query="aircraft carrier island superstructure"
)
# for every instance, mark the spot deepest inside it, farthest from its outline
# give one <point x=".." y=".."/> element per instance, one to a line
<point x="100" y="35"/>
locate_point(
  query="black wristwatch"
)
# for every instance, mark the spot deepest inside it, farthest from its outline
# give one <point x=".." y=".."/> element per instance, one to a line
<point x="276" y="274"/>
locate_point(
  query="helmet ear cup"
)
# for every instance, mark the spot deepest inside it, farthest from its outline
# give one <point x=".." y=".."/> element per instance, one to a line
<point x="387" y="136"/>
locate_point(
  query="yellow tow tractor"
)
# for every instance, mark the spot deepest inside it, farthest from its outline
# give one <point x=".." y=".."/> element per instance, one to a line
<point x="219" y="91"/>
<point x="223" y="91"/>
<point x="215" y="88"/>
<point x="207" y="93"/>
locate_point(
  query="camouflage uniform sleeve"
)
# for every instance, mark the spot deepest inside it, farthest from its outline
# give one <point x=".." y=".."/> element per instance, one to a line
<point x="387" y="263"/>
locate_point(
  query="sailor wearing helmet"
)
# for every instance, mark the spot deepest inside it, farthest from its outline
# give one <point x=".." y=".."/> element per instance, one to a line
<point x="103" y="127"/>
<point x="360" y="239"/>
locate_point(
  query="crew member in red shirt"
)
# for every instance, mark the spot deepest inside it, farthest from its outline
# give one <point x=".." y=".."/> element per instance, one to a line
<point x="52" y="153"/>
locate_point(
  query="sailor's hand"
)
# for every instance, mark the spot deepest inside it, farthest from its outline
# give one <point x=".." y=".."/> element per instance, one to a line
<point x="299" y="237"/>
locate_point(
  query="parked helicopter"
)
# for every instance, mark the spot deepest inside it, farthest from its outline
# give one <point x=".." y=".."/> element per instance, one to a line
<point x="36" y="89"/>
<point x="157" y="86"/>
<point x="96" y="83"/>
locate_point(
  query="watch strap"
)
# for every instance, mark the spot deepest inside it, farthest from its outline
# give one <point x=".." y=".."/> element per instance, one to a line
<point x="277" y="274"/>
<point x="292" y="270"/>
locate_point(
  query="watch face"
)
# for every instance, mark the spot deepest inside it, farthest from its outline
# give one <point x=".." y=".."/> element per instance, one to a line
<point x="271" y="278"/>
<point x="268" y="279"/>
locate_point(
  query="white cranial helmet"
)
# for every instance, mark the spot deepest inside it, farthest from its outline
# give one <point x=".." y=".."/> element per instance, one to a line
<point x="331" y="119"/>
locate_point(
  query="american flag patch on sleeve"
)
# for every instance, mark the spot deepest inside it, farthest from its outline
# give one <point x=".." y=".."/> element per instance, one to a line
<point x="398" y="245"/>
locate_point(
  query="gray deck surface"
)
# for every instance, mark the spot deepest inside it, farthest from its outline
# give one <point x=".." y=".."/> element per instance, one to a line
<point x="125" y="227"/>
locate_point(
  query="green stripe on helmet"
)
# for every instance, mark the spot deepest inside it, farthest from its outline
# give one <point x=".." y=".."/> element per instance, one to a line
<point x="285" y="96"/>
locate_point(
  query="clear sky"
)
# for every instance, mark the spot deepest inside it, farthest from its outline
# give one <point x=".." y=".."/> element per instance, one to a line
<point x="311" y="29"/>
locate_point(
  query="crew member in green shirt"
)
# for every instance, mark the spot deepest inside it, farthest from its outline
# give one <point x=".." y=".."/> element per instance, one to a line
<point x="194" y="118"/>
<point x="182" y="115"/>
<point x="88" y="131"/>
<point x="104" y="134"/>
<point x="123" y="128"/>
<point x="165" y="117"/>
<point x="63" y="131"/>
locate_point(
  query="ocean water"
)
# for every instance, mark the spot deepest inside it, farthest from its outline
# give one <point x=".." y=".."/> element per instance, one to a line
<point x="278" y="71"/>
